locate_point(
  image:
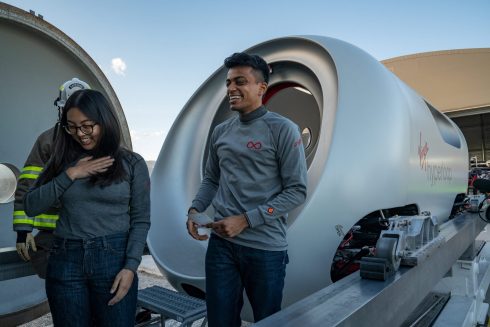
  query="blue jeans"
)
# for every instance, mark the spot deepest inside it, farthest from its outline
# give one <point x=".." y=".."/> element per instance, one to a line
<point x="79" y="278"/>
<point x="231" y="268"/>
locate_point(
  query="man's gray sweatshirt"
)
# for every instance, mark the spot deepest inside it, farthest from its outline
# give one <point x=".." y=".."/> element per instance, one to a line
<point x="256" y="166"/>
<point x="89" y="211"/>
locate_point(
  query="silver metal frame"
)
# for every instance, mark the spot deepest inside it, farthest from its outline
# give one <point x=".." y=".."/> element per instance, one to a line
<point x="353" y="301"/>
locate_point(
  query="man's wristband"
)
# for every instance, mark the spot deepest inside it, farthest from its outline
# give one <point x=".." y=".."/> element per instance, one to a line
<point x="248" y="219"/>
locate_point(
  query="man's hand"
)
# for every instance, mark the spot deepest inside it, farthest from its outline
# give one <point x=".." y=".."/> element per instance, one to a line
<point x="192" y="228"/>
<point x="229" y="226"/>
<point x="23" y="248"/>
<point x="86" y="167"/>
<point x="122" y="283"/>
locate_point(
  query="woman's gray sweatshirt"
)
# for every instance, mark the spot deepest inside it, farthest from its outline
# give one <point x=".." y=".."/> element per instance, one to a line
<point x="89" y="210"/>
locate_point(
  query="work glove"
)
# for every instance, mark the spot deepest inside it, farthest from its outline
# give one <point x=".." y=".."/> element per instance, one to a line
<point x="23" y="247"/>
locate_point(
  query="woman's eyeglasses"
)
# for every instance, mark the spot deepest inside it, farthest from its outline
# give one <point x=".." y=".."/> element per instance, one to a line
<point x="86" y="129"/>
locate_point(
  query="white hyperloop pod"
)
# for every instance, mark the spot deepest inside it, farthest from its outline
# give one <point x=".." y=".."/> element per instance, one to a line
<point x="371" y="142"/>
<point x="36" y="58"/>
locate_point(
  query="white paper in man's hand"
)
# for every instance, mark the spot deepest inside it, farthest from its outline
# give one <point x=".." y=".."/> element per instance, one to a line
<point x="200" y="218"/>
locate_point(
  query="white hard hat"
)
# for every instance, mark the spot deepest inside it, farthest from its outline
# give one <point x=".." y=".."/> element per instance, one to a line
<point x="67" y="89"/>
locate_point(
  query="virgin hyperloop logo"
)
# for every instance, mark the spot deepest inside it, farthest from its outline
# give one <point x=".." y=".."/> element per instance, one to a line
<point x="423" y="153"/>
<point x="436" y="172"/>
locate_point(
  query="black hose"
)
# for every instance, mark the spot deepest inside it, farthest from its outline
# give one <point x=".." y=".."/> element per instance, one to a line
<point x="486" y="219"/>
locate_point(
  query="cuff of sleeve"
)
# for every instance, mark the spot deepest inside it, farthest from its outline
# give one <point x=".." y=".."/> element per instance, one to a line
<point x="254" y="218"/>
<point x="197" y="205"/>
<point x="23" y="228"/>
<point x="132" y="264"/>
<point x="63" y="180"/>
<point x="21" y="236"/>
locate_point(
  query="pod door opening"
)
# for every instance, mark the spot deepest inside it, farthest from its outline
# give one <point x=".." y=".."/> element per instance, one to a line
<point x="296" y="102"/>
<point x="294" y="92"/>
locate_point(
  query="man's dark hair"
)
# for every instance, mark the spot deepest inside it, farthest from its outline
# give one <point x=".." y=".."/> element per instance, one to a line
<point x="259" y="66"/>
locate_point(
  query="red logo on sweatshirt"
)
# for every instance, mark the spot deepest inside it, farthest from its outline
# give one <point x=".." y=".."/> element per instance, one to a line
<point x="270" y="211"/>
<point x="254" y="145"/>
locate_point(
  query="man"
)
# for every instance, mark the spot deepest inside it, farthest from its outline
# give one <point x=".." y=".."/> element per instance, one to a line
<point x="255" y="174"/>
<point x="46" y="222"/>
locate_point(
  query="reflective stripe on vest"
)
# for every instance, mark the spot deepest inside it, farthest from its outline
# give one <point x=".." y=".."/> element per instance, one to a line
<point x="42" y="220"/>
<point x="31" y="172"/>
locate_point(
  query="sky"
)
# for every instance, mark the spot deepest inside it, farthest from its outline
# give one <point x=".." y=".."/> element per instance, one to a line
<point x="156" y="53"/>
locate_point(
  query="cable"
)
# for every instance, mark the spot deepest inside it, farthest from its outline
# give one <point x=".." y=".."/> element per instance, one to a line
<point x="480" y="211"/>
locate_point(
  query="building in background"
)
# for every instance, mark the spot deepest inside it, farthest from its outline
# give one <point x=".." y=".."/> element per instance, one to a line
<point x="457" y="83"/>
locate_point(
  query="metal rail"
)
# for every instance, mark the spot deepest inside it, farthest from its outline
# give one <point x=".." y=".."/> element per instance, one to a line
<point x="354" y="301"/>
<point x="11" y="266"/>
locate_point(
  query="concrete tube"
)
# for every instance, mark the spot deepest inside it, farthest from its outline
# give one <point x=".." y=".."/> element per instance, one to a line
<point x="36" y="59"/>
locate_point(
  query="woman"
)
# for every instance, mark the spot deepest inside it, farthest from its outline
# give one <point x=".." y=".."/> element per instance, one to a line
<point x="102" y="190"/>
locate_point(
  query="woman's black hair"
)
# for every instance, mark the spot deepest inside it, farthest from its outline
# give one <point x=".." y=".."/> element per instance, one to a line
<point x="66" y="150"/>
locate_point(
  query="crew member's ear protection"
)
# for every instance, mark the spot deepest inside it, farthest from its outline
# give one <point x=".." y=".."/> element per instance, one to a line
<point x="56" y="100"/>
